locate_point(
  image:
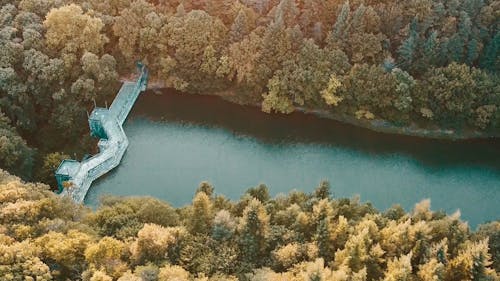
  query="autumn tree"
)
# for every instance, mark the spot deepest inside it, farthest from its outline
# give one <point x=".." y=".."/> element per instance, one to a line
<point x="201" y="215"/>
<point x="107" y="255"/>
<point x="69" y="30"/>
<point x="153" y="242"/>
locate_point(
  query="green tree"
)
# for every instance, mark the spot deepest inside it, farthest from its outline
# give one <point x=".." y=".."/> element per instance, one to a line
<point x="302" y="78"/>
<point x="450" y="93"/>
<point x="187" y="38"/>
<point x="489" y="59"/>
<point x="253" y="230"/>
<point x="323" y="191"/>
<point x="357" y="33"/>
<point x="15" y="154"/>
<point x="323" y="215"/>
<point x="260" y="192"/>
<point x="370" y="88"/>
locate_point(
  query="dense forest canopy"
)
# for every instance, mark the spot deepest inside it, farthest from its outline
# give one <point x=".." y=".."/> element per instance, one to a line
<point x="302" y="237"/>
<point x="422" y="62"/>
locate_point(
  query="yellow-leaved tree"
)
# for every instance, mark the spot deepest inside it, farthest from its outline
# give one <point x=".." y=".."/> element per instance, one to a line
<point x="69" y="30"/>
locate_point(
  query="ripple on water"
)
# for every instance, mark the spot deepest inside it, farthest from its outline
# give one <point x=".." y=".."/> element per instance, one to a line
<point x="237" y="147"/>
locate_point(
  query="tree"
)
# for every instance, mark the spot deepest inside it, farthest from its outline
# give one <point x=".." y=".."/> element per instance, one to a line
<point x="153" y="210"/>
<point x="51" y="162"/>
<point x="323" y="215"/>
<point x="302" y="78"/>
<point x="253" y="230"/>
<point x="492" y="232"/>
<point x="489" y="59"/>
<point x="323" y="190"/>
<point x="432" y="270"/>
<point x="224" y="226"/>
<point x="153" y="242"/>
<point x="197" y="254"/>
<point x="287" y="255"/>
<point x="100" y="276"/>
<point x="70" y="30"/>
<point x="287" y="13"/>
<point x="336" y="37"/>
<point x="399" y="269"/>
<point x="101" y="70"/>
<point x="407" y="50"/>
<point x="206" y="187"/>
<point x="201" y="215"/>
<point x="20" y="260"/>
<point x="65" y="251"/>
<point x="369" y="88"/>
<point x="45" y="237"/>
<point x="403" y="101"/>
<point x="15" y="154"/>
<point x="240" y="27"/>
<point x="132" y="24"/>
<point x="173" y="273"/>
<point x="186" y="58"/>
<point x="260" y="192"/>
<point x="471" y="263"/>
<point x="106" y="255"/>
<point x="109" y="8"/>
<point x="329" y="94"/>
<point x="451" y="93"/>
<point x="357" y="34"/>
<point x="225" y="10"/>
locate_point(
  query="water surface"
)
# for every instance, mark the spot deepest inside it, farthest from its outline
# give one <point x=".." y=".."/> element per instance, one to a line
<point x="179" y="140"/>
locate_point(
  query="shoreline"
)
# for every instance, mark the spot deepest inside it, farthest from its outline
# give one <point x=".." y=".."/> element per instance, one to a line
<point x="383" y="126"/>
<point x="376" y="125"/>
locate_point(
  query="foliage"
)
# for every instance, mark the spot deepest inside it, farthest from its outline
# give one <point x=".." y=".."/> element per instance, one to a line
<point x="295" y="237"/>
<point x="414" y="63"/>
<point x="15" y="155"/>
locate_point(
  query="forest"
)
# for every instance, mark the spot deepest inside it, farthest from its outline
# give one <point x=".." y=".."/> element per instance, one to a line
<point x="299" y="236"/>
<point x="424" y="63"/>
<point x="420" y="63"/>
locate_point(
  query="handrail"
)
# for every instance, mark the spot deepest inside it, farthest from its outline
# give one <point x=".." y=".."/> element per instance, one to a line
<point x="110" y="155"/>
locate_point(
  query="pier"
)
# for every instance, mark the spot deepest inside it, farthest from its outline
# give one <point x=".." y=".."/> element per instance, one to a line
<point x="74" y="178"/>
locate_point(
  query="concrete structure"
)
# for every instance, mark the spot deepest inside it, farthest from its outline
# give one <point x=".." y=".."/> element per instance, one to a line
<point x="74" y="178"/>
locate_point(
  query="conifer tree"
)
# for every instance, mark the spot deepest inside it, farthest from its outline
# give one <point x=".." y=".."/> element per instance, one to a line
<point x="239" y="28"/>
<point x="489" y="59"/>
<point x="202" y="215"/>
<point x="286" y="12"/>
<point x="338" y="34"/>
<point x="254" y="229"/>
<point x="408" y="48"/>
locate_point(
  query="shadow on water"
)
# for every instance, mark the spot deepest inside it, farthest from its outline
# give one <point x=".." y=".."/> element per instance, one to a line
<point x="210" y="111"/>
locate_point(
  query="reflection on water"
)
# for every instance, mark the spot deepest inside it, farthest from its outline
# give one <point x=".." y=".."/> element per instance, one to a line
<point x="204" y="138"/>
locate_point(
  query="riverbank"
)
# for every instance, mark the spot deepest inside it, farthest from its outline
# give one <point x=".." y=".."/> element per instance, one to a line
<point x="179" y="140"/>
<point x="377" y="125"/>
<point x="383" y="126"/>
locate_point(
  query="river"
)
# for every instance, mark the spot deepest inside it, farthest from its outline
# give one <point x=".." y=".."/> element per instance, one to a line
<point x="178" y="140"/>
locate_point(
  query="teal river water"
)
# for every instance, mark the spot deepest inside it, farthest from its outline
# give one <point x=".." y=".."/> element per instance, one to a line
<point x="179" y="140"/>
